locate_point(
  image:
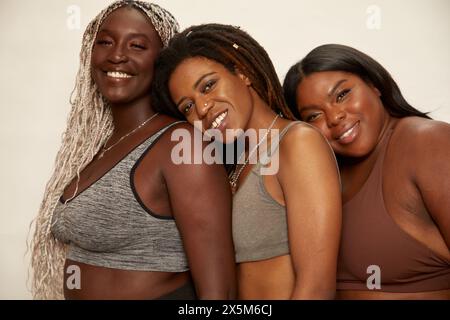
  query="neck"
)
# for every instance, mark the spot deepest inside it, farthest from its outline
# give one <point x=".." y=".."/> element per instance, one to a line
<point x="262" y="115"/>
<point x="388" y="124"/>
<point x="262" y="118"/>
<point x="128" y="116"/>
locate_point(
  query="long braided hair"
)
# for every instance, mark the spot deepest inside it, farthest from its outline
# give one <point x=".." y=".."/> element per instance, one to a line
<point x="227" y="45"/>
<point x="89" y="126"/>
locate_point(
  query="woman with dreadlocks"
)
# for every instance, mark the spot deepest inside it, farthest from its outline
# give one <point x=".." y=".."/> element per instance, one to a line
<point x="286" y="223"/>
<point x="119" y="219"/>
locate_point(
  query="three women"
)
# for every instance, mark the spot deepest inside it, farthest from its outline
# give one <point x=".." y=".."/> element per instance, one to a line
<point x="133" y="222"/>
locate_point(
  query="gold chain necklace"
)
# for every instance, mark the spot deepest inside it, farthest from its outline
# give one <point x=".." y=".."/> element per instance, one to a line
<point x="235" y="175"/>
<point x="104" y="150"/>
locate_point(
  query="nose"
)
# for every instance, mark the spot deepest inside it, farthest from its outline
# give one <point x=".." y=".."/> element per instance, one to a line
<point x="335" y="116"/>
<point x="203" y="107"/>
<point x="118" y="54"/>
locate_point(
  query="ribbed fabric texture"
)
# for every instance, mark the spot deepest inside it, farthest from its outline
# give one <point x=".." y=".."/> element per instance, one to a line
<point x="106" y="224"/>
<point x="259" y="222"/>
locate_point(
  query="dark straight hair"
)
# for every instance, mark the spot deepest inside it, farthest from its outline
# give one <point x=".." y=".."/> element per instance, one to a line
<point x="335" y="57"/>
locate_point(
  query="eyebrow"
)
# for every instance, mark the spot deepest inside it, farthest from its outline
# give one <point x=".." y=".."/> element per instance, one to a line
<point x="195" y="85"/>
<point x="305" y="108"/>
<point x="200" y="79"/>
<point x="333" y="90"/>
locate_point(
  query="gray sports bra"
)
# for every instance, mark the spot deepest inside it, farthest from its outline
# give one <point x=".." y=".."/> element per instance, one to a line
<point x="108" y="225"/>
<point x="259" y="222"/>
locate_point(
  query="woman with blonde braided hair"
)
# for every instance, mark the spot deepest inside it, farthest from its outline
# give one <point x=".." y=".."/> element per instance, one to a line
<point x="119" y="219"/>
<point x="286" y="222"/>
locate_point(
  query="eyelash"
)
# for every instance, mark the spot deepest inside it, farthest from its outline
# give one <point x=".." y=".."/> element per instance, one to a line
<point x="107" y="42"/>
<point x="205" y="89"/>
<point x="341" y="95"/>
<point x="104" y="42"/>
<point x="311" y="117"/>
<point x="187" y="107"/>
<point x="208" y="86"/>
<point x="139" y="46"/>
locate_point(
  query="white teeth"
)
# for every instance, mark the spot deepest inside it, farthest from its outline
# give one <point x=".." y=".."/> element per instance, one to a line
<point x="347" y="133"/>
<point x="116" y="74"/>
<point x="219" y="120"/>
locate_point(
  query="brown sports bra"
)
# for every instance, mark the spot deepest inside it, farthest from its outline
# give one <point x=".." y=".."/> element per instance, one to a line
<point x="376" y="254"/>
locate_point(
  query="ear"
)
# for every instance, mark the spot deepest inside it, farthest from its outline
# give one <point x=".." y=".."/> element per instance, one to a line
<point x="243" y="77"/>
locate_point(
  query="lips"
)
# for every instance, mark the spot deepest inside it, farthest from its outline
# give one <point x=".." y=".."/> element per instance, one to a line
<point x="348" y="134"/>
<point x="217" y="119"/>
<point x="118" y="74"/>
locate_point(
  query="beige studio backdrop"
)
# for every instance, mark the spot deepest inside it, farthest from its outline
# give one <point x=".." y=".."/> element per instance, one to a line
<point x="39" y="46"/>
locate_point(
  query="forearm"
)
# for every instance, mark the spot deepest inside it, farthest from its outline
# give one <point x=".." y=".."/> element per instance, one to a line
<point x="223" y="288"/>
<point x="317" y="290"/>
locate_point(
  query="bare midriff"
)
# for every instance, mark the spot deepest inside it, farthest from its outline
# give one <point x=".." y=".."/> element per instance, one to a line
<point x="271" y="279"/>
<point x="98" y="283"/>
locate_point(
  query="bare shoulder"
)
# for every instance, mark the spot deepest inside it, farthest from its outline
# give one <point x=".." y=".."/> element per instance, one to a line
<point x="304" y="144"/>
<point x="177" y="135"/>
<point x="183" y="149"/>
<point x="179" y="132"/>
<point x="419" y="134"/>
<point x="418" y="125"/>
<point x="419" y="145"/>
<point x="302" y="136"/>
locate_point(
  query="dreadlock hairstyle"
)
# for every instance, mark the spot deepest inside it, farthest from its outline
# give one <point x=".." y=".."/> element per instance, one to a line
<point x="233" y="48"/>
<point x="335" y="57"/>
<point x="89" y="126"/>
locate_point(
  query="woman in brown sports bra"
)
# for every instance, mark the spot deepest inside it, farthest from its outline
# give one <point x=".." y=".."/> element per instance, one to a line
<point x="395" y="169"/>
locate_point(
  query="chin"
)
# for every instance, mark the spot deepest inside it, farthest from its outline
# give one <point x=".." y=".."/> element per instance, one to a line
<point x="117" y="98"/>
<point x="352" y="153"/>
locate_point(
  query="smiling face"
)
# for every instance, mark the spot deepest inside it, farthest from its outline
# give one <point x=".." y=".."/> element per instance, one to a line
<point x="346" y="109"/>
<point x="124" y="52"/>
<point x="206" y="91"/>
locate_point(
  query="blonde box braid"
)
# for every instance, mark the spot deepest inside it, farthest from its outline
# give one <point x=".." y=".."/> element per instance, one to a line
<point x="89" y="126"/>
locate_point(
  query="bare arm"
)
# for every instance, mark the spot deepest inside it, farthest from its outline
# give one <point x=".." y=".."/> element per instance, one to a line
<point x="432" y="172"/>
<point x="200" y="198"/>
<point x="310" y="181"/>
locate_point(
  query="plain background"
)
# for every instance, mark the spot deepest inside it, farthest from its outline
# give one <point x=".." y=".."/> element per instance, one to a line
<point x="39" y="49"/>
